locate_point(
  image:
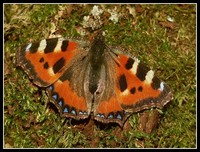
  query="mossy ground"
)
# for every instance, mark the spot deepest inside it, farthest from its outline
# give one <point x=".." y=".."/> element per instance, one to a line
<point x="161" y="35"/>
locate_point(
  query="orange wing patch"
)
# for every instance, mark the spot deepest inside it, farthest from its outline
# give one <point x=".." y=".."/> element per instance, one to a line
<point x="45" y="61"/>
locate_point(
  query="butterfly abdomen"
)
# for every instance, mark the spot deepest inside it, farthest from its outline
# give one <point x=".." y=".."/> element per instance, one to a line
<point x="96" y="62"/>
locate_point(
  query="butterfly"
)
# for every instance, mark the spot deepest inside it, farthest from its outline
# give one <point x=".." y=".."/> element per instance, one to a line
<point x="88" y="77"/>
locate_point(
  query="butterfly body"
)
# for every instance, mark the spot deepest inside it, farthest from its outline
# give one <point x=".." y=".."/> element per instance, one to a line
<point x="84" y="78"/>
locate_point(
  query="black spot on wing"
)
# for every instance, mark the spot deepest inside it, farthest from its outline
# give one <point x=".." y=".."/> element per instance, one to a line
<point x="58" y="65"/>
<point x="133" y="90"/>
<point x="46" y="65"/>
<point x="64" y="45"/>
<point x="122" y="82"/>
<point x="142" y="71"/>
<point x="155" y="83"/>
<point x="129" y="63"/>
<point x="140" y="88"/>
<point x="34" y="47"/>
<point x="41" y="59"/>
<point x="51" y="44"/>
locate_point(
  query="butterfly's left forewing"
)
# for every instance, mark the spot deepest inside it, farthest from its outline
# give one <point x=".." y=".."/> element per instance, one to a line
<point x="45" y="61"/>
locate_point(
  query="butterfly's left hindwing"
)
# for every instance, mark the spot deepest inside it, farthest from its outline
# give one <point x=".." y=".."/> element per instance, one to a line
<point x="69" y="92"/>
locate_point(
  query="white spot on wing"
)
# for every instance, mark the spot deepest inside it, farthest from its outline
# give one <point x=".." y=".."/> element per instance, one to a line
<point x="125" y="92"/>
<point x="28" y="47"/>
<point x="59" y="44"/>
<point x="162" y="86"/>
<point x="135" y="65"/>
<point x="149" y="76"/>
<point x="50" y="71"/>
<point x="42" y="46"/>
